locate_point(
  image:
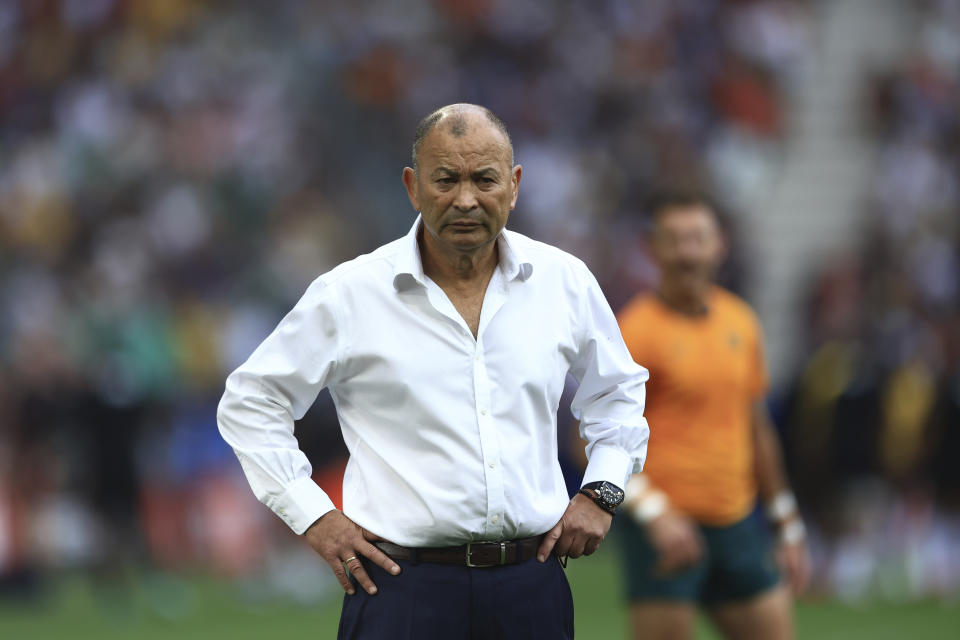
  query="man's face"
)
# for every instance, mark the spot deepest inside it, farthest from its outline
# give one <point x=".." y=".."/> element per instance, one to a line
<point x="687" y="245"/>
<point x="465" y="186"/>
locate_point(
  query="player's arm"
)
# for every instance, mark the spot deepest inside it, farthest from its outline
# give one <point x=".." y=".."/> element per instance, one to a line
<point x="780" y="503"/>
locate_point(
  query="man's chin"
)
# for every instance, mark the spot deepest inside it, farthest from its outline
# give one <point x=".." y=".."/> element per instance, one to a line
<point x="689" y="279"/>
<point x="467" y="240"/>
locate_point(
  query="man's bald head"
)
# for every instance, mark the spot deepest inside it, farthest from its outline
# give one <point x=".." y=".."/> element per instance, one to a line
<point x="457" y="118"/>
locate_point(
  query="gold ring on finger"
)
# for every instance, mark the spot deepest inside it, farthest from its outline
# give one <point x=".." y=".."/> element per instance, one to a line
<point x="347" y="561"/>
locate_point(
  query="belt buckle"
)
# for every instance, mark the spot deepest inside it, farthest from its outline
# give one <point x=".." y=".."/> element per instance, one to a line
<point x="503" y="556"/>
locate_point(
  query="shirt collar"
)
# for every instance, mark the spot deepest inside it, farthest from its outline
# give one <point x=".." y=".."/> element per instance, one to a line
<point x="409" y="266"/>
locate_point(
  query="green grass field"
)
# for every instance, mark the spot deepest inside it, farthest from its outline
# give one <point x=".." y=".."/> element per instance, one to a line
<point x="209" y="610"/>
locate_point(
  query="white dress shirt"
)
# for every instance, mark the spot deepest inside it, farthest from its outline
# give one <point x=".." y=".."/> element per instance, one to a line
<point x="451" y="438"/>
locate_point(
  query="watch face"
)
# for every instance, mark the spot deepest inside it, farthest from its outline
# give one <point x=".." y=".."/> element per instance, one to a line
<point x="610" y="494"/>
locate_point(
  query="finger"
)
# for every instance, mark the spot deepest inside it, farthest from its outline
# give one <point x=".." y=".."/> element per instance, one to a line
<point x="379" y="558"/>
<point x="577" y="544"/>
<point x="592" y="546"/>
<point x="796" y="581"/>
<point x="562" y="548"/>
<point x="358" y="572"/>
<point x="549" y="541"/>
<point x="341" y="574"/>
<point x="801" y="575"/>
<point x="807" y="573"/>
<point x="793" y="579"/>
<point x="369" y="537"/>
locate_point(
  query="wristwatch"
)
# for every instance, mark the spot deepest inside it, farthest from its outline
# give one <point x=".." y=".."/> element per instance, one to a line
<point x="606" y="495"/>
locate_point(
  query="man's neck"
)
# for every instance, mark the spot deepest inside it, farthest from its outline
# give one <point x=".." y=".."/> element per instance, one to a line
<point x="457" y="268"/>
<point x="688" y="301"/>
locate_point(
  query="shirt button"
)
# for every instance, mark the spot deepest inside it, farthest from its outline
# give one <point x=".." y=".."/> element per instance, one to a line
<point x="493" y="464"/>
<point x="495" y="519"/>
<point x="483" y="412"/>
<point x="477" y="357"/>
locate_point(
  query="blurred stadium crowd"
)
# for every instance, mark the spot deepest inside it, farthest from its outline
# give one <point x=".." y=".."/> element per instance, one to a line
<point x="173" y="173"/>
<point x="875" y="410"/>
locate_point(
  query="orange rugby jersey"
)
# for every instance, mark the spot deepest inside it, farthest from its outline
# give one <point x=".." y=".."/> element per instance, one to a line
<point x="705" y="375"/>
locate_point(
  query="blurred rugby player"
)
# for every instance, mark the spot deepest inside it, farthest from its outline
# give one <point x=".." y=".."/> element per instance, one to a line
<point x="691" y="540"/>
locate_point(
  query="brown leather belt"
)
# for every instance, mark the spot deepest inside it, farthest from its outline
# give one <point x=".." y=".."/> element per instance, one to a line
<point x="472" y="554"/>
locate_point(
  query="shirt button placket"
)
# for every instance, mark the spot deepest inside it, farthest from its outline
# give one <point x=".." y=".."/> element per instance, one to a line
<point x="489" y="445"/>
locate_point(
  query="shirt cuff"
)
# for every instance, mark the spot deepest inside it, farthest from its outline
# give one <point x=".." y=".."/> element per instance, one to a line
<point x="302" y="504"/>
<point x="608" y="464"/>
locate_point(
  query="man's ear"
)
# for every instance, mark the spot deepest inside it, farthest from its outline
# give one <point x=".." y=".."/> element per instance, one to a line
<point x="515" y="176"/>
<point x="410" y="182"/>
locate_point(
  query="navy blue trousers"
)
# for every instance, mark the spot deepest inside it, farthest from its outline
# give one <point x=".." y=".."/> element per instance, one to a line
<point x="526" y="601"/>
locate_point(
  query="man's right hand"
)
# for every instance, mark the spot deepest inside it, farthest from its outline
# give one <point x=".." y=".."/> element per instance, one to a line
<point x="340" y="541"/>
<point x="676" y="539"/>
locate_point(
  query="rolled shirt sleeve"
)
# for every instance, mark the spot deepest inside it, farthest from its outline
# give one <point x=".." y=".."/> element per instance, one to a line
<point x="275" y="386"/>
<point x="610" y="401"/>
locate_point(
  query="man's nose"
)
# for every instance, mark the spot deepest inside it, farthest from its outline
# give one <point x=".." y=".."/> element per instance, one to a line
<point x="466" y="199"/>
<point x="688" y="248"/>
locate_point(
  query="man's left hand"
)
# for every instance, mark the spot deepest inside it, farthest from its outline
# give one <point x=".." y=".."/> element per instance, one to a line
<point x="580" y="531"/>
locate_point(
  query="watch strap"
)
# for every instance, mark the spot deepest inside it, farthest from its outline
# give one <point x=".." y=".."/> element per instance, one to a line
<point x="593" y="495"/>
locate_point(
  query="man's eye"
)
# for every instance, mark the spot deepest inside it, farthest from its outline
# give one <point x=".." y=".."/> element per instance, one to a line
<point x="447" y="180"/>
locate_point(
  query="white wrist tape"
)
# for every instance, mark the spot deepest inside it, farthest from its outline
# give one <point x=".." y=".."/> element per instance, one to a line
<point x="650" y="507"/>
<point x="793" y="532"/>
<point x="637" y="485"/>
<point x="782" y="506"/>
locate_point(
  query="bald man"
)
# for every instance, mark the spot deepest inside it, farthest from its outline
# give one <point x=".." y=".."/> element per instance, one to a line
<point x="446" y="352"/>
